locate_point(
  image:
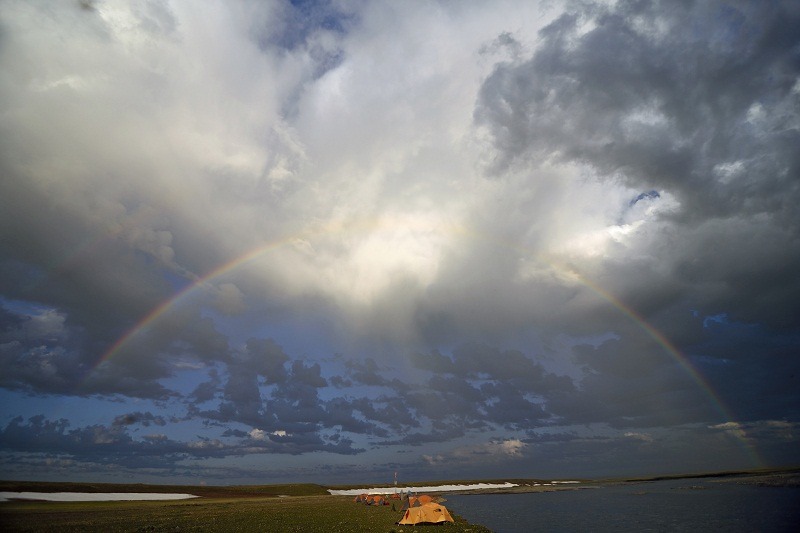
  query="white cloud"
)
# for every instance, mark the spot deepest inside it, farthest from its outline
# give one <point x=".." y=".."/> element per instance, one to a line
<point x="644" y="437"/>
<point x="260" y="434"/>
<point x="733" y="428"/>
<point x="495" y="450"/>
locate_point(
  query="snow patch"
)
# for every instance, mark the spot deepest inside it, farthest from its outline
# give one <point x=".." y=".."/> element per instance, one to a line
<point x="91" y="497"/>
<point x="436" y="488"/>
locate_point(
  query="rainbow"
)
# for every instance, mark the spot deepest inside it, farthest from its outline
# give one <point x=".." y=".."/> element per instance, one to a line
<point x="204" y="281"/>
<point x="200" y="282"/>
<point x="683" y="361"/>
<point x="254" y="254"/>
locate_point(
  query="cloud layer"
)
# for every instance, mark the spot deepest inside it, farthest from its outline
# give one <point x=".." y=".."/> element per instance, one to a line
<point x="557" y="238"/>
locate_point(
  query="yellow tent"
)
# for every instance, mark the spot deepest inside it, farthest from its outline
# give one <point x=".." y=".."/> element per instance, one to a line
<point x="428" y="513"/>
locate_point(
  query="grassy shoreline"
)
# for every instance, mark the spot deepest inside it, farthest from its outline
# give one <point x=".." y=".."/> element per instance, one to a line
<point x="293" y="513"/>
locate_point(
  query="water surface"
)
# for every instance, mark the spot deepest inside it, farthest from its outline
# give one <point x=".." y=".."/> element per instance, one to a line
<point x="675" y="505"/>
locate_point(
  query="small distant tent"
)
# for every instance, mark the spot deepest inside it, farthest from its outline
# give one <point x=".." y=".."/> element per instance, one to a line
<point x="416" y="501"/>
<point x="376" y="499"/>
<point x="428" y="513"/>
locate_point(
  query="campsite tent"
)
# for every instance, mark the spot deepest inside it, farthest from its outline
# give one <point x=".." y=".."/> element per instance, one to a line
<point x="376" y="499"/>
<point x="416" y="501"/>
<point x="429" y="513"/>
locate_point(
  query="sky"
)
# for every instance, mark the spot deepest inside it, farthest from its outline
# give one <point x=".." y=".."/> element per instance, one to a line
<point x="251" y="242"/>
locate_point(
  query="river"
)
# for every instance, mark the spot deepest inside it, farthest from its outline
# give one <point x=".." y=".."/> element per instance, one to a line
<point x="674" y="505"/>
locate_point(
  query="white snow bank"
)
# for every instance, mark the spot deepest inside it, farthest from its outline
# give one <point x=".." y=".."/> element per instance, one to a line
<point x="91" y="497"/>
<point x="435" y="488"/>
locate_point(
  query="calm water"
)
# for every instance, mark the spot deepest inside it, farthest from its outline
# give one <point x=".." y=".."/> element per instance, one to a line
<point x="686" y="505"/>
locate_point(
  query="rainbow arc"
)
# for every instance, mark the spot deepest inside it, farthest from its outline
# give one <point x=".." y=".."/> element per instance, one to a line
<point x="206" y="281"/>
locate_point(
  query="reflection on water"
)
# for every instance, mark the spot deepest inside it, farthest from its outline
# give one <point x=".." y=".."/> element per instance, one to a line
<point x="684" y="505"/>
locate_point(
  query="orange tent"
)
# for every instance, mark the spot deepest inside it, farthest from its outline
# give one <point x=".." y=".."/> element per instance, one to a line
<point x="416" y="501"/>
<point x="376" y="499"/>
<point x="428" y="513"/>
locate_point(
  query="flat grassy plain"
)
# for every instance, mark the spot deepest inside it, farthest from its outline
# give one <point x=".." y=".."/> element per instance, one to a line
<point x="254" y="508"/>
<point x="302" y="507"/>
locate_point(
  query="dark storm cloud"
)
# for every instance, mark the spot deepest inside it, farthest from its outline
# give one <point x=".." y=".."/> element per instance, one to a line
<point x="203" y="339"/>
<point x="57" y="259"/>
<point x="295" y="403"/>
<point x="478" y="362"/>
<point x="443" y="433"/>
<point x="730" y="371"/>
<point x="340" y="413"/>
<point x="641" y="96"/>
<point x="44" y="355"/>
<point x="207" y="390"/>
<point x="144" y="419"/>
<point x="511" y="408"/>
<point x="632" y="391"/>
<point x="464" y="396"/>
<point x="261" y="362"/>
<point x="386" y="411"/>
<point x="579" y="94"/>
<point x="365" y="372"/>
<point x="113" y="445"/>
<point x="39" y="368"/>
<point x="478" y="387"/>
<point x="99" y="259"/>
<point x="51" y="254"/>
<point x="281" y="404"/>
<point x="265" y="358"/>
